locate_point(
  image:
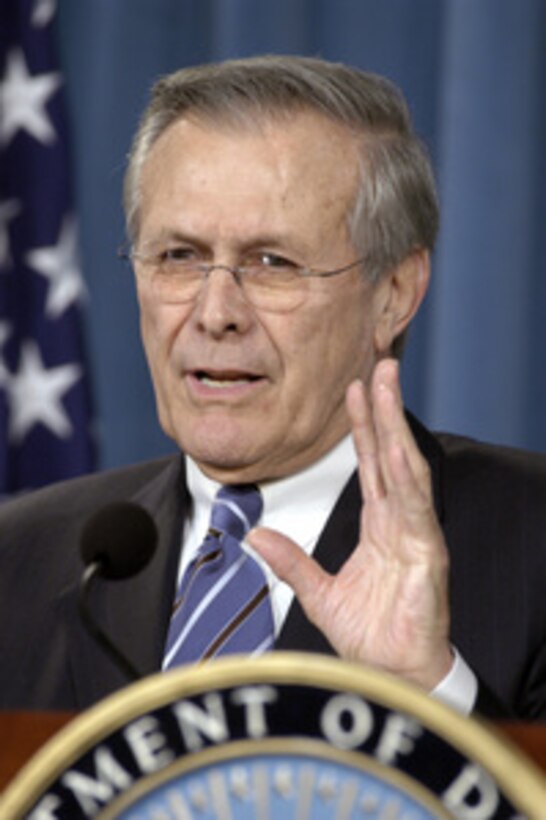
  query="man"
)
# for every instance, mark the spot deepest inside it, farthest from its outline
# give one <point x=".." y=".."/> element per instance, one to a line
<point x="281" y="215"/>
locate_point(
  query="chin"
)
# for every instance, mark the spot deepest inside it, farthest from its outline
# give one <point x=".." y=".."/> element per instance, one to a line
<point x="224" y="448"/>
<point x="229" y="468"/>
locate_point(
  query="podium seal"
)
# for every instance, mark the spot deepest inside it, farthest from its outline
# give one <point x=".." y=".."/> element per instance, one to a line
<point x="287" y="735"/>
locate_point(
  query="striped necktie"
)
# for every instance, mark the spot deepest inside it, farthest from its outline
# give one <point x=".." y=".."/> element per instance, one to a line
<point x="222" y="605"/>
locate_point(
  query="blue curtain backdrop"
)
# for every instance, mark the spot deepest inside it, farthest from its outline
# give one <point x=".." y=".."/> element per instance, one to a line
<point x="474" y="72"/>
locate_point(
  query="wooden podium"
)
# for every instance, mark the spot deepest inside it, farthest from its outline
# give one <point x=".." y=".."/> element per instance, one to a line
<point x="23" y="733"/>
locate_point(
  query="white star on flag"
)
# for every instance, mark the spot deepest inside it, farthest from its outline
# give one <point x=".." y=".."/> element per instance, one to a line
<point x="35" y="394"/>
<point x="23" y="99"/>
<point x="43" y="12"/>
<point x="9" y="208"/>
<point x="60" y="265"/>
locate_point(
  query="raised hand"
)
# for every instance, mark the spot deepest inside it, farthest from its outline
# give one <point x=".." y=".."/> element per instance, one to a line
<point x="388" y="605"/>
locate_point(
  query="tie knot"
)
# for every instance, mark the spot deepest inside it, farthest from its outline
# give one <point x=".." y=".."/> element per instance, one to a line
<point x="236" y="509"/>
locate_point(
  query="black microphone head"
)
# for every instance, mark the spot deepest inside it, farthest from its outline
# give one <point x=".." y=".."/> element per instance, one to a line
<point x="121" y="538"/>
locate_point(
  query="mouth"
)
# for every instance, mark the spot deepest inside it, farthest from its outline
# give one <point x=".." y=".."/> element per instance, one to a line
<point x="225" y="382"/>
<point x="224" y="378"/>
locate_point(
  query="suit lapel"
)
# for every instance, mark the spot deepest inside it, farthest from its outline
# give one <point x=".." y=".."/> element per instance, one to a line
<point x="432" y="451"/>
<point x="334" y="547"/>
<point x="134" y="612"/>
<point x="139" y="614"/>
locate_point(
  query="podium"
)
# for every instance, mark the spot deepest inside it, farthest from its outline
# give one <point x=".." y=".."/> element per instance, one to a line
<point x="23" y="734"/>
<point x="287" y="732"/>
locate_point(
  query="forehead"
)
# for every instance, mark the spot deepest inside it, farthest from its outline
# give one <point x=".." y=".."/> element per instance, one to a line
<point x="302" y="163"/>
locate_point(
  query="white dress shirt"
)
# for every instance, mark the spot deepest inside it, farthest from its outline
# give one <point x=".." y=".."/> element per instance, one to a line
<point x="298" y="506"/>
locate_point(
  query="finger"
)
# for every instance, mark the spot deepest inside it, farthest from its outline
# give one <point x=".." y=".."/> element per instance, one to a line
<point x="365" y="441"/>
<point x="412" y="491"/>
<point x="401" y="462"/>
<point x="293" y="566"/>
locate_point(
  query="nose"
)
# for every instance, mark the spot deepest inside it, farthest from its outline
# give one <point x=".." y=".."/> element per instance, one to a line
<point x="221" y="306"/>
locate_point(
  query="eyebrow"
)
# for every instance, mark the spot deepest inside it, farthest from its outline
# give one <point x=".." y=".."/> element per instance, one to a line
<point x="288" y="243"/>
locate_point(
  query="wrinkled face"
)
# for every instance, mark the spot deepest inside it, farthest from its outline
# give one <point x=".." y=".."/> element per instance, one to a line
<point x="252" y="394"/>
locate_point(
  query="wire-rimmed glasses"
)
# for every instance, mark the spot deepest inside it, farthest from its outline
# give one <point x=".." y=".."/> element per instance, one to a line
<point x="269" y="282"/>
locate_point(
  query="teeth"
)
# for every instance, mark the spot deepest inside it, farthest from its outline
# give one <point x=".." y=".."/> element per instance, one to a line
<point x="222" y="382"/>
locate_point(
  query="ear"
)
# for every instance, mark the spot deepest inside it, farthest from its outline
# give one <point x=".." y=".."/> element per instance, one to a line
<point x="398" y="296"/>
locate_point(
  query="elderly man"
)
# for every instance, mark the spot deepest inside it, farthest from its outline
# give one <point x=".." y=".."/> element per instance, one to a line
<point x="281" y="214"/>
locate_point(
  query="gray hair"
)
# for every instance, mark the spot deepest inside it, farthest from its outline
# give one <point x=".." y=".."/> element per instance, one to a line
<point x="395" y="211"/>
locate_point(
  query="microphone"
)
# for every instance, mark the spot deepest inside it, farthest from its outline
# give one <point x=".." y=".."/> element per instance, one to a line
<point x="117" y="542"/>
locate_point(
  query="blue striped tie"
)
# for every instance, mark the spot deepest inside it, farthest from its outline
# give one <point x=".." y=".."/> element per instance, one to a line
<point x="222" y="605"/>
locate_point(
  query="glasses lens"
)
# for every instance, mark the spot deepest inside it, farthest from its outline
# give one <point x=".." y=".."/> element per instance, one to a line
<point x="169" y="280"/>
<point x="273" y="289"/>
<point x="174" y="283"/>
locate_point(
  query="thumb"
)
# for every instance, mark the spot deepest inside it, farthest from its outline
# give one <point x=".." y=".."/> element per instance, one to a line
<point x="291" y="564"/>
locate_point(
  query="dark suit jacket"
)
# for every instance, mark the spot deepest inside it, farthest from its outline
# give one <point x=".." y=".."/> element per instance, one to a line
<point x="491" y="502"/>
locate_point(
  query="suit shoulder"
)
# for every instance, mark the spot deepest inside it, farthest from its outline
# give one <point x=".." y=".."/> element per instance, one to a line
<point x="498" y="484"/>
<point x="472" y="457"/>
<point x="77" y="498"/>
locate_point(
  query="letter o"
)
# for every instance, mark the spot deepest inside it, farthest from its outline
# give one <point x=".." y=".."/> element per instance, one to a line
<point x="359" y="724"/>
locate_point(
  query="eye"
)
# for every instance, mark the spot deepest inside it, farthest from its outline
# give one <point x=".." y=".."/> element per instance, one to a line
<point x="177" y="255"/>
<point x="267" y="259"/>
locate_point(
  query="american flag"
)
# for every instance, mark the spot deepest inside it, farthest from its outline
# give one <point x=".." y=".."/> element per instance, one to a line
<point x="45" y="408"/>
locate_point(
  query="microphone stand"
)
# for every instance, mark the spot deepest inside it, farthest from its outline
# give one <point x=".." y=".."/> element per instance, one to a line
<point x="124" y="664"/>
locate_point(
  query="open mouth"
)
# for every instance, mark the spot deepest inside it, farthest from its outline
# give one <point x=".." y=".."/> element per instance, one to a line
<point x="228" y="378"/>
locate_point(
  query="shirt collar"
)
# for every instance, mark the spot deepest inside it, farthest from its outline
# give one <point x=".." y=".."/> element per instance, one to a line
<point x="290" y="504"/>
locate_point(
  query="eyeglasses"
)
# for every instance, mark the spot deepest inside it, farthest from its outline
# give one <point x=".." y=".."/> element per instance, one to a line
<point x="269" y="282"/>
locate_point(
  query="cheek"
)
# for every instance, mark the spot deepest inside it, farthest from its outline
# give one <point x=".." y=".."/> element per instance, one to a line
<point x="157" y="323"/>
<point x="322" y="353"/>
<point x="159" y="328"/>
<point x="339" y="347"/>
